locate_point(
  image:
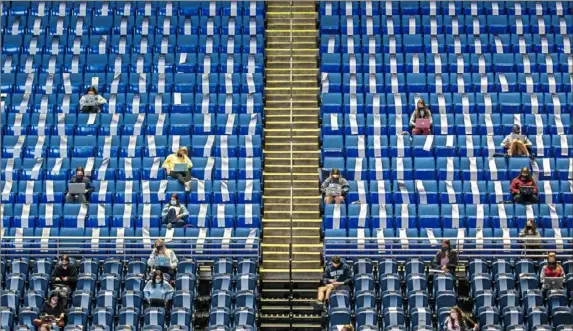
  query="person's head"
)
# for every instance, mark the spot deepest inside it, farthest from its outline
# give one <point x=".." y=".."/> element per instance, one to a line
<point x="516" y="129"/>
<point x="174" y="201"/>
<point x="159" y="245"/>
<point x="80" y="172"/>
<point x="91" y="90"/>
<point x="530" y="225"/>
<point x="552" y="260"/>
<point x="456" y="313"/>
<point x="182" y="152"/>
<point x="336" y="261"/>
<point x="54" y="298"/>
<point x="347" y="327"/>
<point x="157" y="277"/>
<point x="446" y="245"/>
<point x="524" y="174"/>
<point x="65" y="261"/>
<point x="335" y="173"/>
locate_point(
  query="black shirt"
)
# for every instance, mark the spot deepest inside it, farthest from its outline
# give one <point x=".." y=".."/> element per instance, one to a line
<point x="56" y="311"/>
<point x="71" y="272"/>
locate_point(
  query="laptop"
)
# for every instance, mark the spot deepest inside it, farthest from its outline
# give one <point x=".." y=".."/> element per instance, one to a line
<point x="156" y="302"/>
<point x="553" y="283"/>
<point x="180" y="167"/>
<point x="422" y="123"/>
<point x="519" y="137"/>
<point x="526" y="190"/>
<point x="161" y="261"/>
<point x="77" y="188"/>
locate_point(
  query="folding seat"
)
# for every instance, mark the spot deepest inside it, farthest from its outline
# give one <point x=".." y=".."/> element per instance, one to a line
<point x="11" y="300"/>
<point x="429" y="215"/>
<point x="358" y="216"/>
<point x="334" y="217"/>
<point x="382" y="216"/>
<point x="393" y="316"/>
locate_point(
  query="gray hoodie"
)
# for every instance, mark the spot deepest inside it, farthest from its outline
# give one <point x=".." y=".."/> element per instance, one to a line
<point x="335" y="188"/>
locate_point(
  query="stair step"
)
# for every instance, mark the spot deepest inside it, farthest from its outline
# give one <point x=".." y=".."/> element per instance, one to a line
<point x="286" y="239"/>
<point x="268" y="184"/>
<point x="312" y="264"/>
<point x="282" y="274"/>
<point x="306" y="256"/>
<point x="275" y="247"/>
<point x="307" y="274"/>
<point x="287" y="214"/>
<point x="307" y="248"/>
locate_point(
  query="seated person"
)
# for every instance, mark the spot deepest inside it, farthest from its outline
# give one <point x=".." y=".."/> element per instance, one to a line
<point x="516" y="144"/>
<point x="334" y="187"/>
<point x="552" y="269"/>
<point x="347" y="327"/>
<point x="336" y="275"/>
<point x="157" y="291"/>
<point x="65" y="273"/>
<point x="181" y="157"/>
<point x="530" y="238"/>
<point x="52" y="312"/>
<point x="164" y="254"/>
<point x="456" y="321"/>
<point x="91" y="102"/>
<point x="80" y="178"/>
<point x="523" y="188"/>
<point x="174" y="213"/>
<point x="421" y="112"/>
<point x="446" y="258"/>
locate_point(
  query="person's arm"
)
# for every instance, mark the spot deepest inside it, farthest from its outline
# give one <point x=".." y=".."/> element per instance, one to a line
<point x="168" y="291"/>
<point x="347" y="275"/>
<point x="325" y="279"/>
<point x="82" y="101"/>
<point x="325" y="185"/>
<point x="436" y="261"/>
<point x="168" y="163"/>
<point x="527" y="142"/>
<point x="344" y="185"/>
<point x="151" y="260"/>
<point x="453" y="260"/>
<point x="164" y="211"/>
<point x="506" y="141"/>
<point x="469" y="322"/>
<point x="73" y="277"/>
<point x="56" y="275"/>
<point x="183" y="212"/>
<point x="89" y="186"/>
<point x="413" y="119"/>
<point x="534" y="184"/>
<point x="173" y="259"/>
<point x="542" y="275"/>
<point x="514" y="187"/>
<point x="101" y="100"/>
<point x="147" y="290"/>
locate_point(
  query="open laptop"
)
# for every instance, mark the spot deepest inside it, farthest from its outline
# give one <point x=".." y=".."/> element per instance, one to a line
<point x="77" y="188"/>
<point x="180" y="167"/>
<point x="162" y="261"/>
<point x="526" y="190"/>
<point x="422" y="123"/>
<point x="553" y="283"/>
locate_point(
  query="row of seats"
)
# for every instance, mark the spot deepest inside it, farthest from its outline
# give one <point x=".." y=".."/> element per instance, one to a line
<point x="433" y="215"/>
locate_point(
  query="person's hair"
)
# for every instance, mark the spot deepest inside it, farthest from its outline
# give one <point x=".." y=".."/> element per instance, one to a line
<point x="348" y="327"/>
<point x="174" y="196"/>
<point x="183" y="150"/>
<point x="57" y="295"/>
<point x="460" y="313"/>
<point x="81" y="169"/>
<point x="534" y="227"/>
<point x="529" y="178"/>
<point x="335" y="259"/>
<point x="422" y="102"/>
<point x="335" y="171"/>
<point x="552" y="255"/>
<point x="443" y="254"/>
<point x="65" y="257"/>
<point x="155" y="274"/>
<point x="92" y="89"/>
<point x="159" y="241"/>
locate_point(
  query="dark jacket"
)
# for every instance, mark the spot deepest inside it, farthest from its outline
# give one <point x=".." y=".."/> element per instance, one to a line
<point x="341" y="274"/>
<point x="54" y="311"/>
<point x="71" y="272"/>
<point x="85" y="180"/>
<point x="452" y="263"/>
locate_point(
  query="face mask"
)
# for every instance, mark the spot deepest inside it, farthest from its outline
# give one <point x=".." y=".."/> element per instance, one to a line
<point x="524" y="177"/>
<point x="159" y="247"/>
<point x="159" y="281"/>
<point x="528" y="227"/>
<point x="552" y="264"/>
<point x="444" y="249"/>
<point x="173" y="202"/>
<point x="179" y="155"/>
<point x="80" y="176"/>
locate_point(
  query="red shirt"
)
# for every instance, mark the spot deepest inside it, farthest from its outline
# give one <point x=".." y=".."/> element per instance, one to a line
<point x="553" y="272"/>
<point x="517" y="182"/>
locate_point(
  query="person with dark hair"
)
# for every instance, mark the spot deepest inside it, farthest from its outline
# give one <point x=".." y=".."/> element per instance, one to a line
<point x="523" y="188"/>
<point x="421" y="112"/>
<point x="516" y="144"/>
<point x="65" y="273"/>
<point x="162" y="258"/>
<point x="180" y="158"/>
<point x="334" y="188"/>
<point x="457" y="321"/>
<point x="157" y="291"/>
<point x="446" y="258"/>
<point x="80" y="177"/>
<point x="336" y="274"/>
<point x="530" y="237"/>
<point x="91" y="102"/>
<point x="52" y="312"/>
<point x="174" y="213"/>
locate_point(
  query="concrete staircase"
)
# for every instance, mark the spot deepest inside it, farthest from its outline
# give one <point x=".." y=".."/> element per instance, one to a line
<point x="291" y="247"/>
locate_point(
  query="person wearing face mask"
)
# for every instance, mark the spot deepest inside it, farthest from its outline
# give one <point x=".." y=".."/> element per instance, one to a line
<point x="552" y="269"/>
<point x="531" y="238"/>
<point x="80" y="177"/>
<point x="65" y="273"/>
<point x="157" y="291"/>
<point x="161" y="251"/>
<point x="52" y="312"/>
<point x="180" y="157"/>
<point x="516" y="144"/>
<point x="421" y="112"/>
<point x="446" y="258"/>
<point x="174" y="213"/>
<point x="457" y="321"/>
<point x="523" y="188"/>
<point x="334" y="188"/>
<point x="91" y="102"/>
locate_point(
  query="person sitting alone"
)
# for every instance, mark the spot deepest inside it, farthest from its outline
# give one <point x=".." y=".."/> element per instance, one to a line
<point x="52" y="312"/>
<point x="174" y="213"/>
<point x="162" y="254"/>
<point x="91" y="102"/>
<point x="334" y="187"/>
<point x="157" y="291"/>
<point x="552" y="269"/>
<point x="421" y="113"/>
<point x="79" y="178"/>
<point x="65" y="273"/>
<point x="523" y="188"/>
<point x="516" y="144"/>
<point x="336" y="275"/>
<point x="180" y="159"/>
<point x="446" y="258"/>
<point x="530" y="238"/>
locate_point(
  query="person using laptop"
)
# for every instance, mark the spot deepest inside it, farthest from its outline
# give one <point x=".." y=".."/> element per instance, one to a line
<point x="523" y="188"/>
<point x="421" y="119"/>
<point x="174" y="213"/>
<point x="157" y="291"/>
<point x="91" y="102"/>
<point x="516" y="144"/>
<point x="552" y="269"/>
<point x="530" y="238"/>
<point x="334" y="188"/>
<point x="162" y="258"/>
<point x="75" y="196"/>
<point x="446" y="258"/>
<point x="52" y="312"/>
<point x="178" y="165"/>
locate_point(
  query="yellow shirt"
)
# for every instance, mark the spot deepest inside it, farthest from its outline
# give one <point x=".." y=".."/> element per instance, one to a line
<point x="170" y="161"/>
